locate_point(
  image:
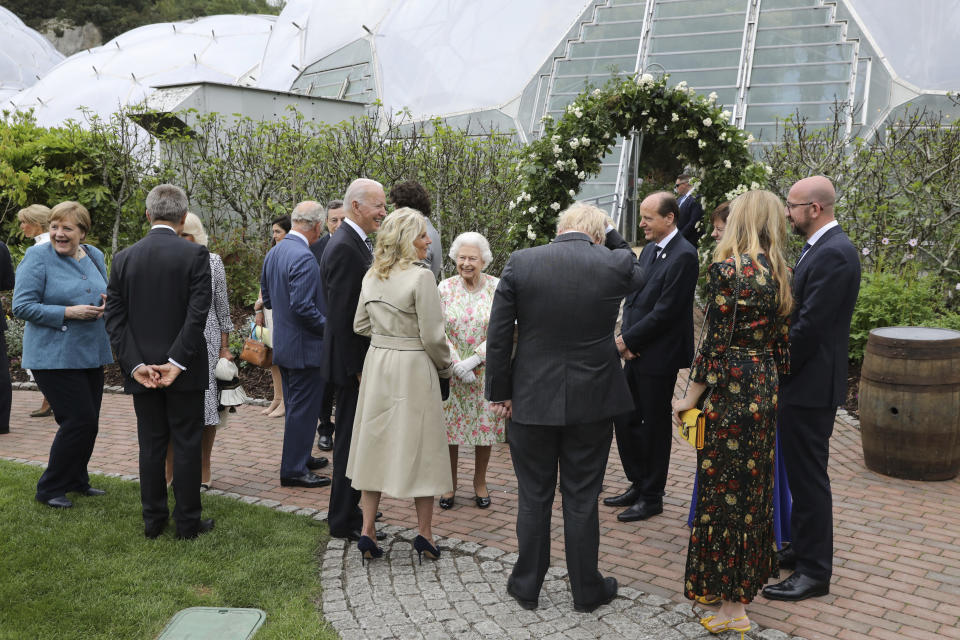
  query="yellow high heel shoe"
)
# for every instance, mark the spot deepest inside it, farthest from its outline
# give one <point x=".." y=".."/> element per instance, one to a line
<point x="725" y="625"/>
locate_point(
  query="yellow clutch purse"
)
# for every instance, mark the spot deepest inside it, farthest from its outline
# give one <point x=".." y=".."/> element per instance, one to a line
<point x="692" y="427"/>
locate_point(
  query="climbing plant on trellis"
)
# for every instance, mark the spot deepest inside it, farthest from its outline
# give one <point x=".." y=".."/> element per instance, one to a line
<point x="694" y="127"/>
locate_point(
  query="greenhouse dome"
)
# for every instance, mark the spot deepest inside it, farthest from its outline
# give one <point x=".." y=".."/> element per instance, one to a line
<point x="25" y="55"/>
<point x="506" y="64"/>
<point x="224" y="49"/>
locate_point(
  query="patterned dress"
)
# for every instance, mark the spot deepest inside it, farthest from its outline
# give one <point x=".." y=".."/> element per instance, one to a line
<point x="468" y="415"/>
<point x="731" y="552"/>
<point x="218" y="320"/>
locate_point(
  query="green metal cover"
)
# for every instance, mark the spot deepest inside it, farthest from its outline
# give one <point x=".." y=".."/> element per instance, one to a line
<point x="214" y="623"/>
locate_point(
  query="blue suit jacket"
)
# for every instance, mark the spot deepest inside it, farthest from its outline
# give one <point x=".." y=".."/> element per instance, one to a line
<point x="825" y="288"/>
<point x="47" y="283"/>
<point x="290" y="282"/>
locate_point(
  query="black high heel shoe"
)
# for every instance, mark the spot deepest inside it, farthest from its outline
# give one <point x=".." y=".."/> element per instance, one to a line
<point x="421" y="546"/>
<point x="447" y="503"/>
<point x="368" y="549"/>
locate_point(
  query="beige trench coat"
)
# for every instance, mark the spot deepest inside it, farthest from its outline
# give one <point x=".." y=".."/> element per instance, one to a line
<point x="399" y="443"/>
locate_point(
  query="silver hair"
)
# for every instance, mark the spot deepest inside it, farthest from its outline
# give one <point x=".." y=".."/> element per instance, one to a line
<point x="166" y="202"/>
<point x="358" y="191"/>
<point x="310" y="212"/>
<point x="472" y="239"/>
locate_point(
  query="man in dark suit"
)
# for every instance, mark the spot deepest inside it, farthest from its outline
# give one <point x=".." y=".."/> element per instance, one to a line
<point x="325" y="426"/>
<point x="691" y="213"/>
<point x="826" y="281"/>
<point x="7" y="282"/>
<point x="157" y="303"/>
<point x="562" y="390"/>
<point x="656" y="341"/>
<point x="290" y="283"/>
<point x="345" y="261"/>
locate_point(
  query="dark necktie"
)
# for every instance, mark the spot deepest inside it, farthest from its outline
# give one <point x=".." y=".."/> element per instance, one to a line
<point x="369" y="244"/>
<point x="654" y="254"/>
<point x="806" y="247"/>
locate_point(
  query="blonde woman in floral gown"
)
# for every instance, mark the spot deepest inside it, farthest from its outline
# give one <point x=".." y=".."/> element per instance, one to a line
<point x="467" y="299"/>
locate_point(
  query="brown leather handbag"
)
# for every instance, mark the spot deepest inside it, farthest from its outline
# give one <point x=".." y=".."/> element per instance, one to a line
<point x="256" y="353"/>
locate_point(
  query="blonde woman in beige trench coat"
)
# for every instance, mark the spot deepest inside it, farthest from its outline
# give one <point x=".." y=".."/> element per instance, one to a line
<point x="399" y="443"/>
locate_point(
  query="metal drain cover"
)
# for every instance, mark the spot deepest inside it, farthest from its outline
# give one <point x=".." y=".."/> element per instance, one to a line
<point x="214" y="623"/>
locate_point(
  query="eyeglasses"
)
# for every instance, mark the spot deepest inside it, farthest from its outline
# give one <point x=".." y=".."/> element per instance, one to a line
<point x="791" y="205"/>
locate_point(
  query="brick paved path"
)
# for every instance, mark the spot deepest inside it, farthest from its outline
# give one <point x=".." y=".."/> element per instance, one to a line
<point x="897" y="563"/>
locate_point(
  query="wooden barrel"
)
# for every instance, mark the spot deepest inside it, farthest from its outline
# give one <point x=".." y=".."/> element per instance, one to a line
<point x="910" y="403"/>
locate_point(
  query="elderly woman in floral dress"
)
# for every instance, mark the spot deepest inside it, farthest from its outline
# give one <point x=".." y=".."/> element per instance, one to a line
<point x="467" y="299"/>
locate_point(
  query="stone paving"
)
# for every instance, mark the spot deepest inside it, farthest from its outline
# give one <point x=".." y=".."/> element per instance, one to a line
<point x="896" y="566"/>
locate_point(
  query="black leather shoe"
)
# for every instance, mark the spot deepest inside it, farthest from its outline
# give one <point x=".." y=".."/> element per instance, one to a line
<point x="610" y="592"/>
<point x="154" y="531"/>
<point x="204" y="526"/>
<point x="317" y="463"/>
<point x="325" y="443"/>
<point x="90" y="491"/>
<point x="796" y="587"/>
<point x="308" y="480"/>
<point x="625" y="499"/>
<point x="60" y="502"/>
<point x="482" y="501"/>
<point x="529" y="605"/>
<point x="447" y="503"/>
<point x="355" y="535"/>
<point x="787" y="558"/>
<point x="641" y="511"/>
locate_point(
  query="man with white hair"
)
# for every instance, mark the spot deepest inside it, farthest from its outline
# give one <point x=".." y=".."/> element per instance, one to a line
<point x="344" y="263"/>
<point x="290" y="283"/>
<point x="562" y="390"/>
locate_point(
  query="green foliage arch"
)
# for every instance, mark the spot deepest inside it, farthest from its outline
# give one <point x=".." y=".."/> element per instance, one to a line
<point x="693" y="127"/>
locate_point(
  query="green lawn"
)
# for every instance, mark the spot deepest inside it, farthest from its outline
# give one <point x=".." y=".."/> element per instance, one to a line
<point x="88" y="572"/>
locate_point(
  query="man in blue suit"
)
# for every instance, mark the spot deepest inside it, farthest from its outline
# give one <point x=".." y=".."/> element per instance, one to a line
<point x="690" y="220"/>
<point x="826" y="282"/>
<point x="291" y="287"/>
<point x="657" y="341"/>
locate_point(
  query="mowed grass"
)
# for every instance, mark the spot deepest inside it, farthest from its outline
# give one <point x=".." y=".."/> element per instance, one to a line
<point x="89" y="572"/>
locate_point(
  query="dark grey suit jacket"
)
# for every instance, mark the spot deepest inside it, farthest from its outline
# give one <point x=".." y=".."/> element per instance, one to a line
<point x="564" y="297"/>
<point x="344" y="263"/>
<point x="825" y="288"/>
<point x="157" y="302"/>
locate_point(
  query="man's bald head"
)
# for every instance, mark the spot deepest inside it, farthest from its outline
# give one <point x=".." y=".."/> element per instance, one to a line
<point x="810" y="205"/>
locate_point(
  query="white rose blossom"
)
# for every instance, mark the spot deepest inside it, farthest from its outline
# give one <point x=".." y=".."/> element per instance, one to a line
<point x="682" y="85"/>
<point x="674" y="117"/>
<point x="582" y="175"/>
<point x="532" y="209"/>
<point x="556" y="150"/>
<point x="512" y="205"/>
<point x="560" y="164"/>
<point x="725" y="114"/>
<point x="555" y="139"/>
<point x="573" y="194"/>
<point x="692" y="133"/>
<point x="585" y="141"/>
<point x="727" y="164"/>
<point x="645" y="79"/>
<point x="526" y="196"/>
<point x="701" y="143"/>
<point x="768" y="169"/>
<point x="754" y="186"/>
<point x="530" y="232"/>
<point x="574" y="143"/>
<point x="555" y="206"/>
<point x="707" y="122"/>
<point x="712" y="97"/>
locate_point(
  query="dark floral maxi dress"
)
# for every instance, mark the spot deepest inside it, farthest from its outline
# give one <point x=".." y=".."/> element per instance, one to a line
<point x="732" y="545"/>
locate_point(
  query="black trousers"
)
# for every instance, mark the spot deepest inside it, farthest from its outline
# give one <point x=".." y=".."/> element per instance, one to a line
<point x="75" y="396"/>
<point x="175" y="417"/>
<point x="6" y="389"/>
<point x="343" y="514"/>
<point x="580" y="453"/>
<point x="644" y="436"/>
<point x="805" y="444"/>
<point x="302" y="397"/>
<point x="325" y="425"/>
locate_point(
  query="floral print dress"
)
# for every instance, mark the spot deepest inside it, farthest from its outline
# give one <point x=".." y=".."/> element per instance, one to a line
<point x="732" y="546"/>
<point x="468" y="415"/>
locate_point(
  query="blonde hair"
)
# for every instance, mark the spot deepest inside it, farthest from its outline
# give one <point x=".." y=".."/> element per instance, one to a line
<point x="37" y="214"/>
<point x="395" y="248"/>
<point x="584" y="217"/>
<point x="192" y="225"/>
<point x="756" y="224"/>
<point x="75" y="210"/>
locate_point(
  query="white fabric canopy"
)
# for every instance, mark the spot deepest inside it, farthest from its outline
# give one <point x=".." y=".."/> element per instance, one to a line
<point x="123" y="71"/>
<point x="435" y="57"/>
<point x="25" y="55"/>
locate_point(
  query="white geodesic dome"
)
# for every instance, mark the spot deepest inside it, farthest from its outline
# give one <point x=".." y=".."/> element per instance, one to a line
<point x="433" y="57"/>
<point x="225" y="49"/>
<point x="25" y="55"/>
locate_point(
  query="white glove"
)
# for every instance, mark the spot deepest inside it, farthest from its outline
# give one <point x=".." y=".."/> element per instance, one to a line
<point x="465" y="368"/>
